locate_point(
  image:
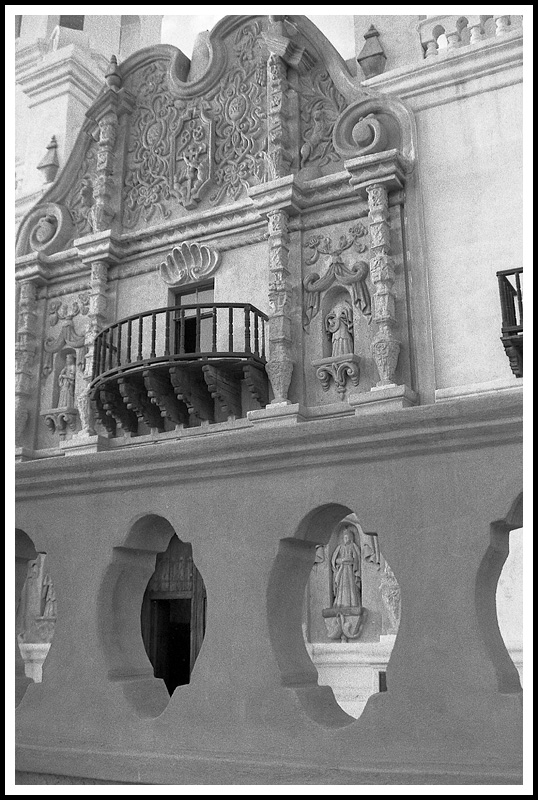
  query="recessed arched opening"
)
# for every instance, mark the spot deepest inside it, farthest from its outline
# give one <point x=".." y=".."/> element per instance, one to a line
<point x="123" y="605"/>
<point x="487" y="580"/>
<point x="329" y="535"/>
<point x="35" y="613"/>
<point x="173" y="615"/>
<point x="352" y="615"/>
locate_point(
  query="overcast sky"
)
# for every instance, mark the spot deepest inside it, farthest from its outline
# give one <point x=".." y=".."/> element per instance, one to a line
<point x="181" y="30"/>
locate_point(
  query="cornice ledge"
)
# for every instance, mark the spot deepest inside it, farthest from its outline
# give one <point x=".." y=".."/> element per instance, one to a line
<point x="100" y="246"/>
<point x="471" y="423"/>
<point x="282" y="194"/>
<point x="73" y="66"/>
<point x="455" y="67"/>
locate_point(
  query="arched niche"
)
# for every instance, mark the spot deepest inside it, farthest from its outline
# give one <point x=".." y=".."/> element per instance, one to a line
<point x="487" y="580"/>
<point x="35" y="613"/>
<point x="121" y="601"/>
<point x="336" y="302"/>
<point x="285" y="611"/>
<point x="351" y="648"/>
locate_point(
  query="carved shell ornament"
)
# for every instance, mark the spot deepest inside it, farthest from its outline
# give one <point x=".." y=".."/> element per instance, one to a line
<point x="188" y="263"/>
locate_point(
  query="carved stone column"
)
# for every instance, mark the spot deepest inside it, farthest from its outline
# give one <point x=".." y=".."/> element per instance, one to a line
<point x="99" y="252"/>
<point x="278" y="200"/>
<point x="280" y="361"/>
<point x="96" y="320"/>
<point x="280" y="158"/>
<point x="106" y="112"/>
<point x="25" y="352"/>
<point x="385" y="347"/>
<point x="374" y="176"/>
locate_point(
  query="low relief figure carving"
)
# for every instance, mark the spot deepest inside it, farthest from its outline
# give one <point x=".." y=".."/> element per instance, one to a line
<point x="346" y="565"/>
<point x="68" y="337"/>
<point x="391" y="595"/>
<point x="36" y="613"/>
<point x="339" y="327"/>
<point x="345" y="619"/>
<point x="66" y="382"/>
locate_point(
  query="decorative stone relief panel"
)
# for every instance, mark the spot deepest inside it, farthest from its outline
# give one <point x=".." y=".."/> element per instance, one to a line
<point x="320" y="105"/>
<point x="341" y="302"/>
<point x="181" y="150"/>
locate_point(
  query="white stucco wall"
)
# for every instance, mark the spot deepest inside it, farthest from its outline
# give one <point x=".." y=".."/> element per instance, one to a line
<point x="469" y="158"/>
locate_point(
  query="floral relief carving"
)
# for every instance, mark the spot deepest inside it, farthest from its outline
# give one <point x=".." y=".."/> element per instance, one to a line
<point x="321" y="104"/>
<point x="353" y="276"/>
<point x="80" y="200"/>
<point x="240" y="119"/>
<point x="169" y="153"/>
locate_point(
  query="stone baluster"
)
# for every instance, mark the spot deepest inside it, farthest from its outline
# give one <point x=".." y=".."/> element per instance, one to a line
<point x="502" y="23"/>
<point x="431" y="48"/>
<point x="280" y="363"/>
<point x="452" y="33"/>
<point x="476" y="28"/>
<point x="25" y="352"/>
<point x="385" y="347"/>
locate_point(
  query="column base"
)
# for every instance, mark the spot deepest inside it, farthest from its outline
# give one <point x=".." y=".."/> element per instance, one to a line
<point x="81" y="444"/>
<point x="383" y="398"/>
<point x="278" y="414"/>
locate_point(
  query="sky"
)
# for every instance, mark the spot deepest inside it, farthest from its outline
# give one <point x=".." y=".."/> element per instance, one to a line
<point x="181" y="30"/>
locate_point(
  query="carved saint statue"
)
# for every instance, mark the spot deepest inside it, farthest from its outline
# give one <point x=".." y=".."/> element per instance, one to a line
<point x="66" y="382"/>
<point x="36" y="613"/>
<point x="339" y="327"/>
<point x="346" y="564"/>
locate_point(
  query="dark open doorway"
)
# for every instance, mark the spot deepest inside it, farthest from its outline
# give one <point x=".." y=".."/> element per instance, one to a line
<point x="173" y="615"/>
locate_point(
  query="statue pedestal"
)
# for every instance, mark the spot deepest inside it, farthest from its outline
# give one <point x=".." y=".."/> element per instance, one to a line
<point x="344" y="622"/>
<point x="339" y="369"/>
<point x="33" y="655"/>
<point x="383" y="398"/>
<point x="277" y="414"/>
<point x="81" y="444"/>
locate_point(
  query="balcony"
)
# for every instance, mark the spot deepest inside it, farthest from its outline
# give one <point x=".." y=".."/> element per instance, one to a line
<point x="180" y="366"/>
<point x="511" y="294"/>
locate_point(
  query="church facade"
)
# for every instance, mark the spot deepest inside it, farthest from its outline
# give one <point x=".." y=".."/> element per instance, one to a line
<point x="269" y="405"/>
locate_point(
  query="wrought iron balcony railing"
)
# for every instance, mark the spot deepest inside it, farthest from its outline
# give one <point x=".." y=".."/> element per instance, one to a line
<point x="511" y="294"/>
<point x="181" y="365"/>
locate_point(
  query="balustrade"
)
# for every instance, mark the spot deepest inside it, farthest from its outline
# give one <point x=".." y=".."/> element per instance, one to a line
<point x="185" y="364"/>
<point x="447" y="32"/>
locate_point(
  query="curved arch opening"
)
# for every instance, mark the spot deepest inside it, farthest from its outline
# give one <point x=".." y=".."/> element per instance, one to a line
<point x="333" y="614"/>
<point x="487" y="581"/>
<point x="35" y="613"/>
<point x="134" y="653"/>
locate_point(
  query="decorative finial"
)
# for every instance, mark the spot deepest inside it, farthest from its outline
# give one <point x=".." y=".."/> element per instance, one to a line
<point x="112" y="75"/>
<point x="372" y="58"/>
<point x="49" y="164"/>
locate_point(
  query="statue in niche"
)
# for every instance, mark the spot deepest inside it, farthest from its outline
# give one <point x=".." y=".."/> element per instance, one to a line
<point x="339" y="328"/>
<point x="66" y="382"/>
<point x="345" y="619"/>
<point x="346" y="565"/>
<point x="36" y="613"/>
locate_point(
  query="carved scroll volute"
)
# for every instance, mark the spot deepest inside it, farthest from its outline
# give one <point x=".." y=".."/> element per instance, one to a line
<point x="188" y="263"/>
